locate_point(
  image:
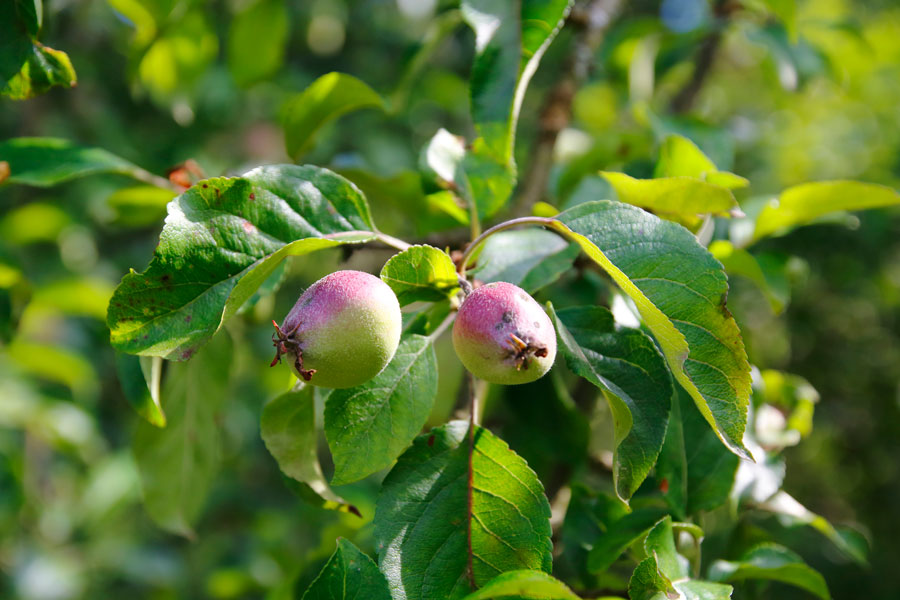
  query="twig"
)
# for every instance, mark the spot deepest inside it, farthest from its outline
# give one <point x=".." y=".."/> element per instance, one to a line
<point x="706" y="57"/>
<point x="471" y="248"/>
<point x="592" y="19"/>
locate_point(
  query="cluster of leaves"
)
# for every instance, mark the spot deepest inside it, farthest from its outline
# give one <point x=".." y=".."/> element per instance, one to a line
<point x="698" y="434"/>
<point x="27" y="67"/>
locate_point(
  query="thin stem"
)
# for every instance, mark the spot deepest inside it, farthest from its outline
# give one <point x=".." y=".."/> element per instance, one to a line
<point x="703" y="62"/>
<point x="442" y="327"/>
<point x="477" y="241"/>
<point x="148" y="177"/>
<point x="392" y="241"/>
<point x="474" y="223"/>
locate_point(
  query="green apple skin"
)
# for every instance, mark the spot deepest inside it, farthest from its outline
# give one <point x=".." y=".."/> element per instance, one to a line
<point x="347" y="326"/>
<point x="502" y="335"/>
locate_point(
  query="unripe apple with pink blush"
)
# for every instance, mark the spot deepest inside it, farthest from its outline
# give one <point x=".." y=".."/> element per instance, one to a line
<point x="502" y="335"/>
<point x="343" y="330"/>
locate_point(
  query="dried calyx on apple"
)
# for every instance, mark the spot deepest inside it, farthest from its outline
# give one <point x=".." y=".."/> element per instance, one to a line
<point x="502" y="335"/>
<point x="342" y="331"/>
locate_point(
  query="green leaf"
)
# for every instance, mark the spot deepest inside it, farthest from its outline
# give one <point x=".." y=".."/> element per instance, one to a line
<point x="421" y="519"/>
<point x="663" y="575"/>
<point x="532" y="414"/>
<point x="257" y="40"/>
<point x="738" y="261"/>
<point x="15" y="40"/>
<point x="348" y="575"/>
<point x="625" y="363"/>
<point x="139" y="206"/>
<point x="27" y="67"/>
<point x="368" y="426"/>
<point x="528" y="258"/>
<point x="794" y="398"/>
<point x="793" y="514"/>
<point x="396" y="197"/>
<point x="138" y="387"/>
<point x="327" y="98"/>
<point x="34" y="222"/>
<point x="680" y="157"/>
<point x="510" y="39"/>
<point x="525" y="584"/>
<point x="222" y="239"/>
<point x="43" y="69"/>
<point x="803" y="204"/>
<point x="177" y="464"/>
<point x="57" y="363"/>
<point x="44" y="162"/>
<point x="695" y="472"/>
<point x="174" y="64"/>
<point x="421" y="274"/>
<point x="473" y="174"/>
<point x="622" y="529"/>
<point x="772" y="562"/>
<point x="31" y="13"/>
<point x="288" y="428"/>
<point x="679" y="290"/>
<point x="673" y="197"/>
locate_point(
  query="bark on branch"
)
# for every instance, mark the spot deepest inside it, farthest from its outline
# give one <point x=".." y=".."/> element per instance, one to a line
<point x="591" y="19"/>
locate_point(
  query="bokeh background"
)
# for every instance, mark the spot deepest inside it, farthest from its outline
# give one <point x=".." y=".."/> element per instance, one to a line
<point x="791" y="95"/>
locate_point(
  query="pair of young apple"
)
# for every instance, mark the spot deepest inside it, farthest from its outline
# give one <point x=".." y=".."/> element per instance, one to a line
<point x="345" y="329"/>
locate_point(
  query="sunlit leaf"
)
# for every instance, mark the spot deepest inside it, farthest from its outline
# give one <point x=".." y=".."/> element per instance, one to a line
<point x="530" y="585"/>
<point x="288" y="428"/>
<point x="421" y="519"/>
<point x="510" y="40"/>
<point x="178" y="58"/>
<point x="137" y="387"/>
<point x="680" y="291"/>
<point x="327" y="98"/>
<point x="368" y="426"/>
<point x="43" y="69"/>
<point x="348" y="575"/>
<point x="222" y="239"/>
<point x="421" y="273"/>
<point x="680" y="157"/>
<point x="257" y="40"/>
<point x="803" y="204"/>
<point x="673" y="196"/>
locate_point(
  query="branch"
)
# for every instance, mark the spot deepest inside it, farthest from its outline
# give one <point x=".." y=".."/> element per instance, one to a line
<point x="706" y="57"/>
<point x="591" y="19"/>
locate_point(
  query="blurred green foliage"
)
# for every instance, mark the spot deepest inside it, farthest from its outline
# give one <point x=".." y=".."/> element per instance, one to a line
<point x="792" y="96"/>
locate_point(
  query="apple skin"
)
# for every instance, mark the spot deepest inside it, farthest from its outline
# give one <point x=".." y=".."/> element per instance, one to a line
<point x="502" y="335"/>
<point x="342" y="331"/>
